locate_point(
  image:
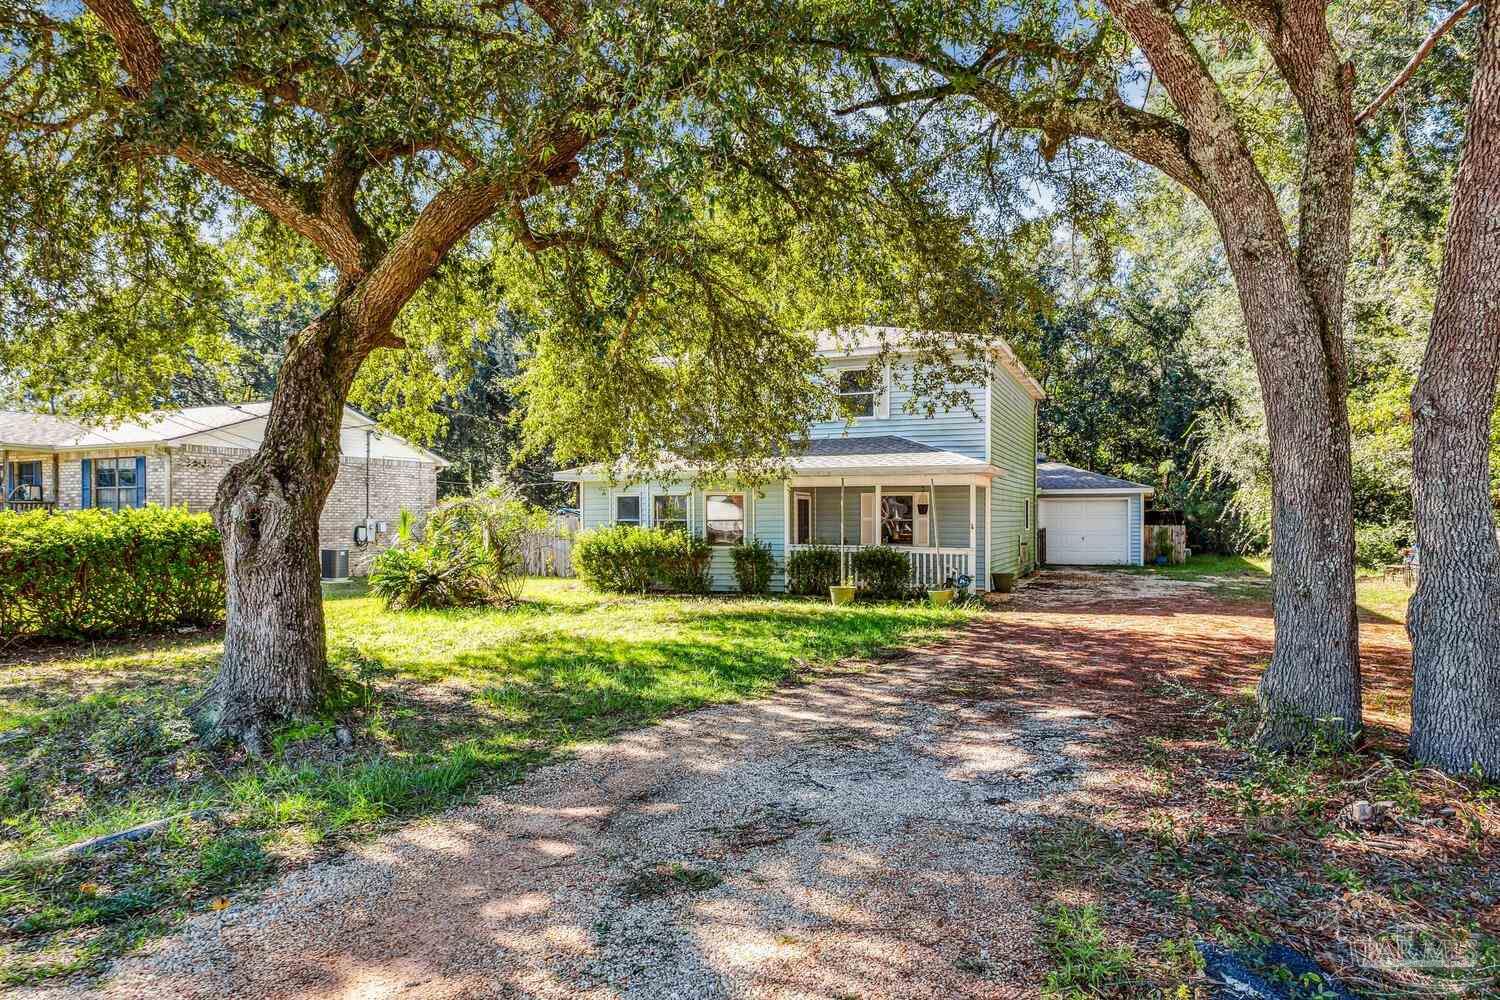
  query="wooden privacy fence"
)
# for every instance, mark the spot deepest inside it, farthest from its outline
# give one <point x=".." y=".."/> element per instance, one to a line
<point x="550" y="552"/>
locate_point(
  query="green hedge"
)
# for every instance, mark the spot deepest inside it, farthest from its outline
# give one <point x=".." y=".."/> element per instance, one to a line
<point x="882" y="573"/>
<point x="625" y="559"/>
<point x="753" y="566"/>
<point x="812" y="571"/>
<point x="96" y="573"/>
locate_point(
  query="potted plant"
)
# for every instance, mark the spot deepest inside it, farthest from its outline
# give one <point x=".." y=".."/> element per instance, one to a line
<point x="939" y="596"/>
<point x="842" y="593"/>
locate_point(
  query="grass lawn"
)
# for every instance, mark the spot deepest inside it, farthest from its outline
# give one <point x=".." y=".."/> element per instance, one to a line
<point x="438" y="706"/>
<point x="1249" y="577"/>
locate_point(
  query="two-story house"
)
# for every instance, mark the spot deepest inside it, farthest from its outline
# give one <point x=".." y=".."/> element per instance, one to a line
<point x="956" y="491"/>
<point x="177" y="458"/>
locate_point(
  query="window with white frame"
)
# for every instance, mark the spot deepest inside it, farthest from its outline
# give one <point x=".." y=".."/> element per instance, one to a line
<point x="116" y="484"/>
<point x="858" y="390"/>
<point x="628" y="509"/>
<point x="25" y="481"/>
<point x="669" y="511"/>
<point x="724" y="518"/>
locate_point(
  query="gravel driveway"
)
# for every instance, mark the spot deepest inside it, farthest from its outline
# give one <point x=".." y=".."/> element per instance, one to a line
<point x="853" y="837"/>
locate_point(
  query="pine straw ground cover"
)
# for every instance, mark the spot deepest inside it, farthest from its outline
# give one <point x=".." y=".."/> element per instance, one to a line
<point x="436" y="707"/>
<point x="1195" y="835"/>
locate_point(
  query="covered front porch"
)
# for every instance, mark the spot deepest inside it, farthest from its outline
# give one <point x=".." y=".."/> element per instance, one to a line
<point x="937" y="522"/>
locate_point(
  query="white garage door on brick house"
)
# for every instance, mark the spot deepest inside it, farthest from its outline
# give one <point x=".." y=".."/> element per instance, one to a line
<point x="1089" y="519"/>
<point x="178" y="458"/>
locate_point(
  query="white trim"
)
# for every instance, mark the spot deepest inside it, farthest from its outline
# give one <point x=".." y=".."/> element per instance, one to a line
<point x="1099" y="492"/>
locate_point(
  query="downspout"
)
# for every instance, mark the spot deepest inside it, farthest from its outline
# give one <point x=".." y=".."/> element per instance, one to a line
<point x="368" y="434"/>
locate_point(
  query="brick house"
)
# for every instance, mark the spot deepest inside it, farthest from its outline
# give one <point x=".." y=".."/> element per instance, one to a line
<point x="178" y="457"/>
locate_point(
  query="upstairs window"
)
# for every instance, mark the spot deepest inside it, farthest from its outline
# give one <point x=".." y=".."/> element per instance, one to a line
<point x="628" y="510"/>
<point x="670" y="512"/>
<point x="857" y="391"/>
<point x="725" y="517"/>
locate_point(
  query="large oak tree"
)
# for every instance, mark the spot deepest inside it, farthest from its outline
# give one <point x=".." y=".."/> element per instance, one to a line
<point x="1058" y="75"/>
<point x="620" y="172"/>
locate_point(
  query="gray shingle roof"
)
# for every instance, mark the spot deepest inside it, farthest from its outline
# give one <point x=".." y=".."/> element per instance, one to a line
<point x="1057" y="476"/>
<point x="39" y="429"/>
<point x="885" y="444"/>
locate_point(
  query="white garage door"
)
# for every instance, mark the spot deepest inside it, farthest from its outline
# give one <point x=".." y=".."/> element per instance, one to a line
<point x="1086" y="532"/>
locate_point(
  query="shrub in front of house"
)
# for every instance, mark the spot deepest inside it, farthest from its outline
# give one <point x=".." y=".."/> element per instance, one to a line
<point x="97" y="573"/>
<point x="882" y="572"/>
<point x="753" y="566"/>
<point x="626" y="559"/>
<point x="473" y="554"/>
<point x="811" y="571"/>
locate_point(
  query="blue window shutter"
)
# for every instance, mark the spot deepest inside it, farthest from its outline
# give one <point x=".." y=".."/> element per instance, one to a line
<point x="87" y="478"/>
<point x="140" y="480"/>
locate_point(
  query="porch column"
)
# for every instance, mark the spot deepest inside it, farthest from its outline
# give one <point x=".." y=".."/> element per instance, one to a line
<point x="973" y="538"/>
<point x="842" y="532"/>
<point x="932" y="518"/>
<point x="787" y="513"/>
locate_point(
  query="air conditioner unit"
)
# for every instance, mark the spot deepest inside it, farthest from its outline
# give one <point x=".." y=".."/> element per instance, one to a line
<point x="335" y="564"/>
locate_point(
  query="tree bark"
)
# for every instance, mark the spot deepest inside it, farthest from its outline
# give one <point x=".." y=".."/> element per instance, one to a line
<point x="1454" y="616"/>
<point x="1312" y="685"/>
<point x="275" y="663"/>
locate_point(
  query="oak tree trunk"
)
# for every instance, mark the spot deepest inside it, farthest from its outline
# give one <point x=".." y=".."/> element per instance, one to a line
<point x="275" y="664"/>
<point x="1454" y="616"/>
<point x="1312" y="684"/>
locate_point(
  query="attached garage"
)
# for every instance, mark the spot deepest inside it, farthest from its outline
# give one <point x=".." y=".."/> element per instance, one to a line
<point x="1089" y="519"/>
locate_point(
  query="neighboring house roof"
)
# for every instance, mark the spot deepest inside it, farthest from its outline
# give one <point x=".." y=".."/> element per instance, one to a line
<point x="862" y="341"/>
<point x="841" y="456"/>
<point x="1055" y="477"/>
<point x="238" y="425"/>
<point x="34" y="430"/>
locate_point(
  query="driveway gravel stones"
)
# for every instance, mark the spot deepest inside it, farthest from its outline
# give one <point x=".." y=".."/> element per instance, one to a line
<point x="853" y="837"/>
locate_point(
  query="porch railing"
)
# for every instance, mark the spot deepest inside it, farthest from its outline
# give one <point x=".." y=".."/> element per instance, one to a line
<point x="929" y="567"/>
<point x="23" y="505"/>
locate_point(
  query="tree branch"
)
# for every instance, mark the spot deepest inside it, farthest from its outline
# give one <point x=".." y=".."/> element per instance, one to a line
<point x="140" y="49"/>
<point x="1410" y="69"/>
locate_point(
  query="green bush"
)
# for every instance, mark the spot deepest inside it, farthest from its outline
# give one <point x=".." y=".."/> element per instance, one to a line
<point x="474" y="554"/>
<point x="426" y="576"/>
<point x="881" y="572"/>
<point x="811" y="571"/>
<point x="625" y="559"/>
<point x="1377" y="545"/>
<point x="95" y="573"/>
<point x="753" y="566"/>
<point x="684" y="562"/>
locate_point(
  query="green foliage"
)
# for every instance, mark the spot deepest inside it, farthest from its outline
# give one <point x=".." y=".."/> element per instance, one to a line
<point x="473" y="553"/>
<point x="1162" y="542"/>
<point x="811" y="571"/>
<point x="753" y="566"/>
<point x="426" y="576"/>
<point x="627" y="559"/>
<point x="1084" y="963"/>
<point x="882" y="572"/>
<point x="95" y="573"/>
<point x="1377" y="545"/>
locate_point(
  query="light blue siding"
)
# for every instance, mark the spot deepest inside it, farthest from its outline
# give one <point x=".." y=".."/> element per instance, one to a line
<point x="1013" y="449"/>
<point x="956" y="429"/>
